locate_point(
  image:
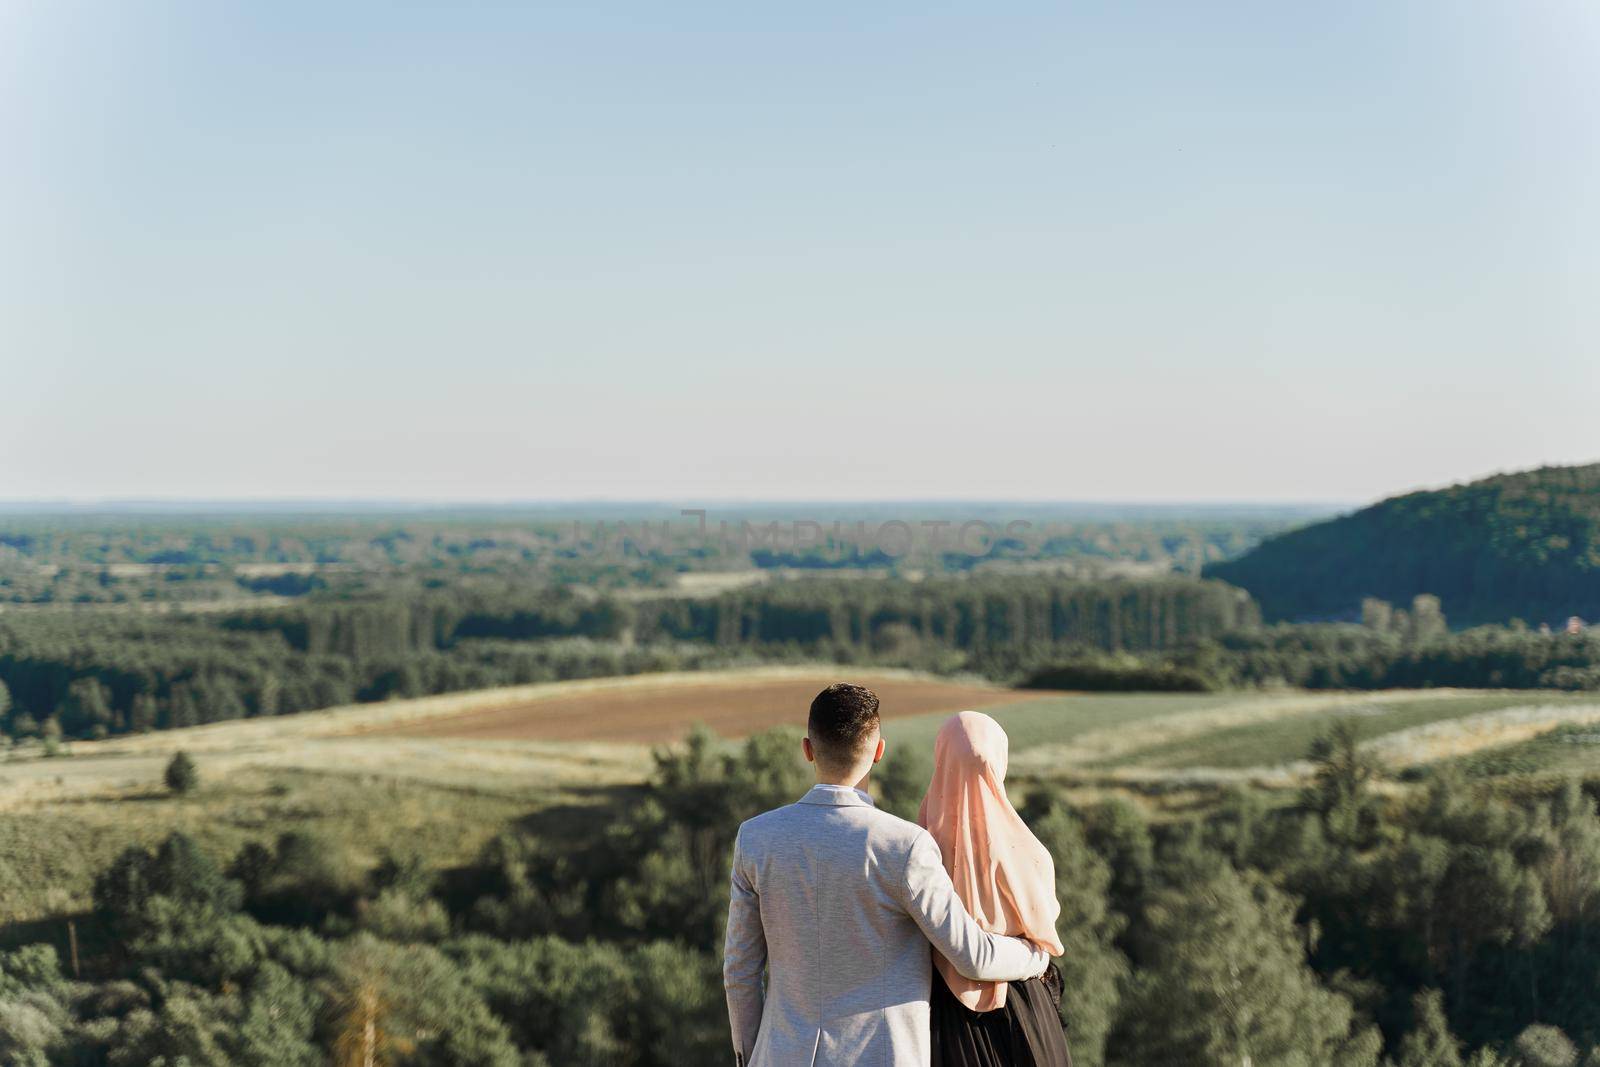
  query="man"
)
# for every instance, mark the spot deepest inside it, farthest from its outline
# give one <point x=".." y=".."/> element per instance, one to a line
<point x="840" y="902"/>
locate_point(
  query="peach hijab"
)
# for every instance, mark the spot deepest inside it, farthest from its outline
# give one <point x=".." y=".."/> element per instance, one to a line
<point x="1001" y="872"/>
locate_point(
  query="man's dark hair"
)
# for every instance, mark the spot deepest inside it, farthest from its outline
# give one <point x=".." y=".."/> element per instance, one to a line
<point x="842" y="717"/>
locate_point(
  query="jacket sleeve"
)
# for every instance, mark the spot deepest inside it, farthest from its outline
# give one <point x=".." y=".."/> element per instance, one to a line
<point x="744" y="957"/>
<point x="930" y="899"/>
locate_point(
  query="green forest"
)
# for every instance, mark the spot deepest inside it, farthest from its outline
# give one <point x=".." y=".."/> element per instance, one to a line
<point x="1515" y="546"/>
<point x="1345" y="925"/>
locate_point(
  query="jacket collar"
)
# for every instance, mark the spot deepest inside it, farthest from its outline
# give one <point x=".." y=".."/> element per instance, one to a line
<point x="838" y="796"/>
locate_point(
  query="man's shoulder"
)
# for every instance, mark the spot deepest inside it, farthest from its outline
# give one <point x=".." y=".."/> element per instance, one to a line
<point x="886" y="830"/>
<point x="776" y="821"/>
<point x="758" y="824"/>
<point x="893" y="829"/>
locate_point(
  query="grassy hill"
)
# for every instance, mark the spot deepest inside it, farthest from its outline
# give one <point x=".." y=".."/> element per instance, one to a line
<point x="509" y="899"/>
<point x="1524" y="546"/>
<point x="354" y="780"/>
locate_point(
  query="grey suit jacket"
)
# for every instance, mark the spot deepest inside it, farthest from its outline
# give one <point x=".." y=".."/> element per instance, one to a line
<point x="840" y="902"/>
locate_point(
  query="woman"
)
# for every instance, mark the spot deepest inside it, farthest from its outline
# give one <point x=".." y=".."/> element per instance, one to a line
<point x="1007" y="880"/>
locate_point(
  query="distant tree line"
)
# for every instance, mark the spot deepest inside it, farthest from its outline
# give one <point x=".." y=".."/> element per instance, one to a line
<point x="1392" y="649"/>
<point x="1337" y="656"/>
<point x="140" y="558"/>
<point x="86" y="674"/>
<point x="90" y="676"/>
<point x="969" y="615"/>
<point x="964" y="614"/>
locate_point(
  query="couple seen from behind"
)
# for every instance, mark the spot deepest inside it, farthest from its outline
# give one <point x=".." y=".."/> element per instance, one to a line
<point x="886" y="943"/>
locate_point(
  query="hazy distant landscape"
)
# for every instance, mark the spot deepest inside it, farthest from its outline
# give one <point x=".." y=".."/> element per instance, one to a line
<point x="447" y="776"/>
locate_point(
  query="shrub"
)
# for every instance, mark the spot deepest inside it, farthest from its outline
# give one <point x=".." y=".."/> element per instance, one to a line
<point x="182" y="775"/>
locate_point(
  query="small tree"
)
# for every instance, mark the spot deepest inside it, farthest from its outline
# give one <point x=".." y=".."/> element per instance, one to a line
<point x="1544" y="1046"/>
<point x="1377" y="614"/>
<point x="1339" y="786"/>
<point x="88" y="704"/>
<point x="1427" y="618"/>
<point x="50" y="734"/>
<point x="1430" y="1043"/>
<point x="144" y="714"/>
<point x="182" y="775"/>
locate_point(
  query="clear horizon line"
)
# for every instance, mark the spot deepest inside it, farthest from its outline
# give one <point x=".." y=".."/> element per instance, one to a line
<point x="80" y="503"/>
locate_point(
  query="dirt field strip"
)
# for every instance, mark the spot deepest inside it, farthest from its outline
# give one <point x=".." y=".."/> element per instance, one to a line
<point x="732" y="706"/>
<point x="496" y="738"/>
<point x="377" y="719"/>
<point x="658" y="707"/>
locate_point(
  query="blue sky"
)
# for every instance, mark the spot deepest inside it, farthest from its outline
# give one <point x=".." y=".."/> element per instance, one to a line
<point x="1136" y="251"/>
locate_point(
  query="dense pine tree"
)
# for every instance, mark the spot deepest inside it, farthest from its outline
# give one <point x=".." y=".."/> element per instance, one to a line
<point x="1513" y="546"/>
<point x="1222" y="981"/>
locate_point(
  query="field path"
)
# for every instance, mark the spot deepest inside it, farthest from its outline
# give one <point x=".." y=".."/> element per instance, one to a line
<point x="1475" y="733"/>
<point x="732" y="705"/>
<point x="593" y="730"/>
<point x="903" y="693"/>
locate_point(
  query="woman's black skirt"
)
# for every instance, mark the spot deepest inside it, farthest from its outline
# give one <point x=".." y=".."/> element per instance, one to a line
<point x="1026" y="1032"/>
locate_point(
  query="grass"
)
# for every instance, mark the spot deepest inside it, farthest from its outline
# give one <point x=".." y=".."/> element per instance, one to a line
<point x="364" y="798"/>
<point x="1169" y="730"/>
<point x="65" y="819"/>
<point x="1268" y="743"/>
<point x="62" y="820"/>
<point x="1034" y="722"/>
<point x="49" y="856"/>
<point x="1563" y="751"/>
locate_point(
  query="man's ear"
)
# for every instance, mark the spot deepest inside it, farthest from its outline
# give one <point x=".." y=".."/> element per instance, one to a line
<point x="811" y="753"/>
<point x="878" y="755"/>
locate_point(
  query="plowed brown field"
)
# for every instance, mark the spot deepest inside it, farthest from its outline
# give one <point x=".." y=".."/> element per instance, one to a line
<point x="732" y="707"/>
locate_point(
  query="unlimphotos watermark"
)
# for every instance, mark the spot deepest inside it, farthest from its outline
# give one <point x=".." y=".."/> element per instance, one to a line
<point x="837" y="539"/>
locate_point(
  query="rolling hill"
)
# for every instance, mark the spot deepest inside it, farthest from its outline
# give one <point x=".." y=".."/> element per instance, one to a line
<point x="437" y="777"/>
<point x="1512" y="546"/>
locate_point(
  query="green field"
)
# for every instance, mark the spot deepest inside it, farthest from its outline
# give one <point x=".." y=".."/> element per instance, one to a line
<point x="63" y="819"/>
<point x="1572" y="749"/>
<point x="1268" y="743"/>
<point x="1241" y="731"/>
<point x="1045" y="720"/>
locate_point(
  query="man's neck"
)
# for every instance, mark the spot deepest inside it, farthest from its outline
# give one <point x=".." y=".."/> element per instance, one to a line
<point x="850" y="781"/>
